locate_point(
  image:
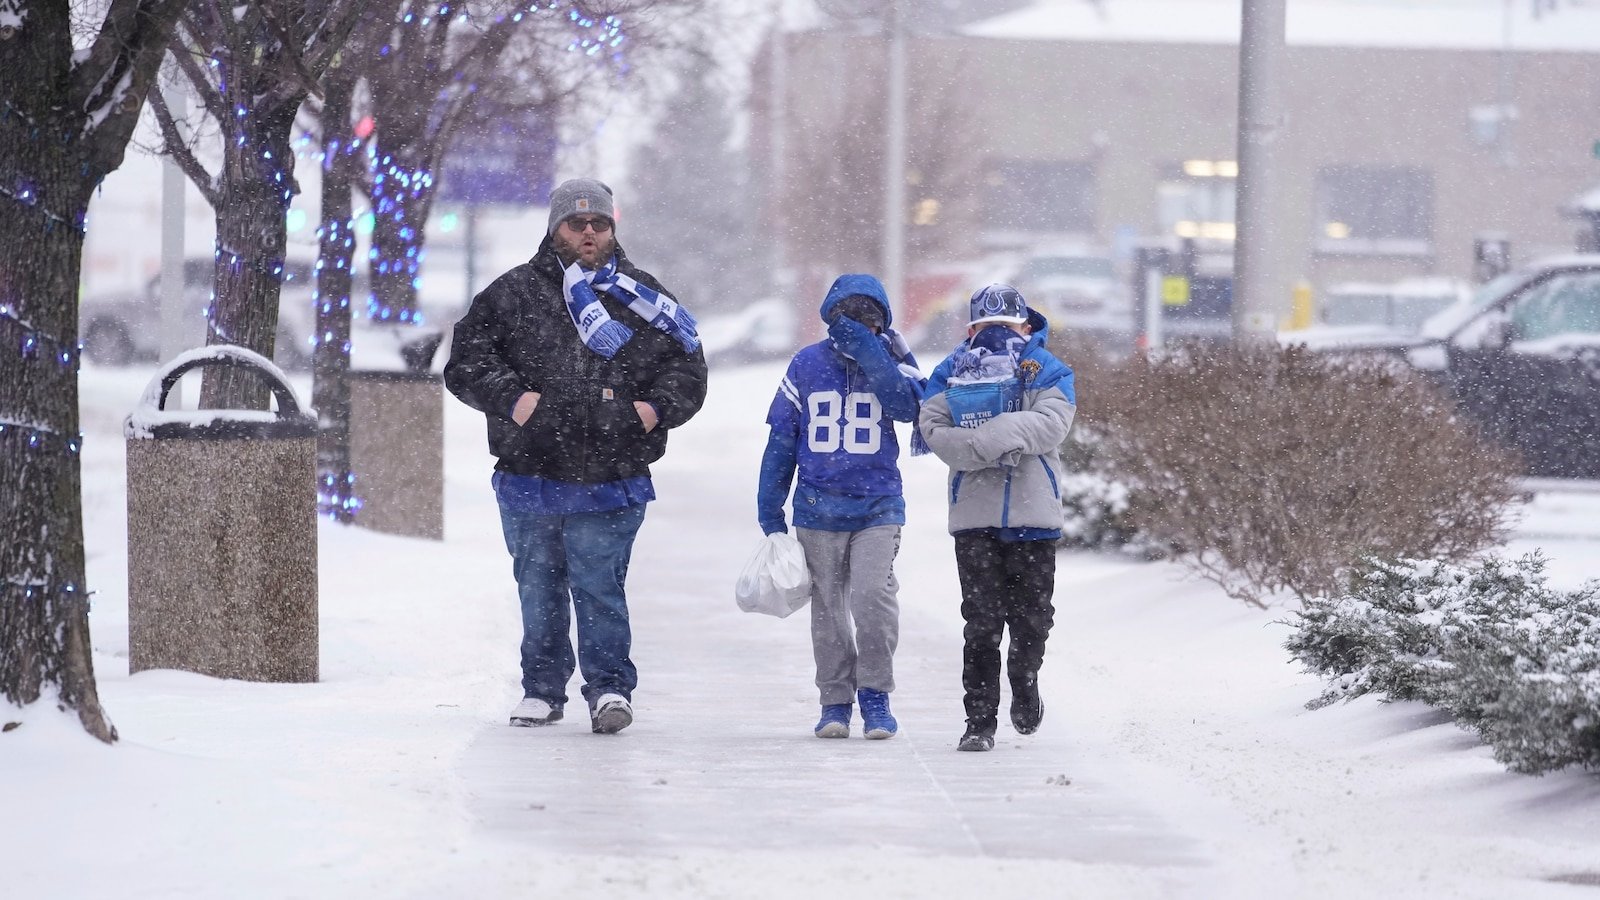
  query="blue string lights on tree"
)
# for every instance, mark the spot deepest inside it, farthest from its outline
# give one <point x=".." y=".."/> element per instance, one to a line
<point x="336" y="492"/>
<point x="38" y="346"/>
<point x="22" y="190"/>
<point x="402" y="190"/>
<point x="399" y="202"/>
<point x="336" y="497"/>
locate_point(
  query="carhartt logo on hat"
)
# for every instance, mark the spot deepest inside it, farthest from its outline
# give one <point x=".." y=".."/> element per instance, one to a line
<point x="580" y="195"/>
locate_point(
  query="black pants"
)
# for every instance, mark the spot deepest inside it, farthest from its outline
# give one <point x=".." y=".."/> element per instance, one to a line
<point x="1002" y="584"/>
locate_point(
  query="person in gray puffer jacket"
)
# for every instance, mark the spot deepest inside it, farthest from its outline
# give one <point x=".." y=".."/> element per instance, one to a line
<point x="997" y="411"/>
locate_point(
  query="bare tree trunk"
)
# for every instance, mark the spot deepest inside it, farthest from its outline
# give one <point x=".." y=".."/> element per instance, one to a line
<point x="44" y="605"/>
<point x="62" y="129"/>
<point x="402" y="195"/>
<point x="265" y="58"/>
<point x="256" y="186"/>
<point x="330" y="360"/>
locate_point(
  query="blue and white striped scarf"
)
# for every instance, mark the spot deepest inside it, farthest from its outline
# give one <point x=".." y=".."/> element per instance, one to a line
<point x="605" y="335"/>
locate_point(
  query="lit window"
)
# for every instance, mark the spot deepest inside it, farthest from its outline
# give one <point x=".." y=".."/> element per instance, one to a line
<point x="1374" y="210"/>
<point x="1196" y="198"/>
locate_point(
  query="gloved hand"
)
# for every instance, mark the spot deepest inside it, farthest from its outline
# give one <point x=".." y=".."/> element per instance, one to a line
<point x="852" y="337"/>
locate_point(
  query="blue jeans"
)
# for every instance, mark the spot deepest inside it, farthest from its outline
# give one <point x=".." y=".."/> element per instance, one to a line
<point x="581" y="558"/>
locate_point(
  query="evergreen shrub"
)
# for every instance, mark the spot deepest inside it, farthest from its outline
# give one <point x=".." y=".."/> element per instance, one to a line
<point x="1491" y="643"/>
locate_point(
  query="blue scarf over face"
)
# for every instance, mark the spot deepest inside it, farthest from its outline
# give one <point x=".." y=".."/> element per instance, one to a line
<point x="990" y="354"/>
<point x="605" y="335"/>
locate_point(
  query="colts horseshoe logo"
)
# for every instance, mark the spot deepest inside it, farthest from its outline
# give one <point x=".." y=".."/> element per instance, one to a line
<point x="1003" y="302"/>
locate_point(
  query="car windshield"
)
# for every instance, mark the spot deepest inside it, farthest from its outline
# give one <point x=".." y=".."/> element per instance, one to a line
<point x="1402" y="312"/>
<point x="1448" y="320"/>
<point x="1410" y="312"/>
<point x="1356" y="309"/>
<point x="1066" y="266"/>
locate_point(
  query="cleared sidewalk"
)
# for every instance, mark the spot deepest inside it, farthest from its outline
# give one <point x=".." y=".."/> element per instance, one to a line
<point x="721" y="757"/>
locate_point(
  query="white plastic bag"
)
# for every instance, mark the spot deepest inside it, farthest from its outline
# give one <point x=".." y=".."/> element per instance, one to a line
<point x="775" y="582"/>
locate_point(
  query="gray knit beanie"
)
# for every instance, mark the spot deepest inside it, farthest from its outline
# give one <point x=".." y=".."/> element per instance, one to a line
<point x="579" y="196"/>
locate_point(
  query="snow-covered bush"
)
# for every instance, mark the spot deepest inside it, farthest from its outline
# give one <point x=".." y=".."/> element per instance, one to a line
<point x="1534" y="680"/>
<point x="1098" y="508"/>
<point x="1493" y="644"/>
<point x="1095" y="512"/>
<point x="1098" y="511"/>
<point x="1398" y="625"/>
<point x="1276" y="469"/>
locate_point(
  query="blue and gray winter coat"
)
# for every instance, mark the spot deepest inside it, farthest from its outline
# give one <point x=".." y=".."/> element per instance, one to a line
<point x="832" y="420"/>
<point x="1005" y="472"/>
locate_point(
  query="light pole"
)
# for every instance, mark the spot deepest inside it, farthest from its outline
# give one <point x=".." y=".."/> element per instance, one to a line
<point x="890" y="16"/>
<point x="894" y="163"/>
<point x="1257" y="287"/>
<point x="777" y="108"/>
<point x="180" y="327"/>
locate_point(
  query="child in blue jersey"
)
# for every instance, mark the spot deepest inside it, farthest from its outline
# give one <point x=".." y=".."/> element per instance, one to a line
<point x="833" y="421"/>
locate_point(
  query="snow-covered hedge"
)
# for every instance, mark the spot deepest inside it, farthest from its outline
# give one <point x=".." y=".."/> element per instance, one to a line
<point x="1098" y="511"/>
<point x="1492" y="643"/>
<point x="1276" y="469"/>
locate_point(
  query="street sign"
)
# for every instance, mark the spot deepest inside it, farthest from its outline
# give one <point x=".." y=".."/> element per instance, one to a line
<point x="510" y="161"/>
<point x="1174" y="290"/>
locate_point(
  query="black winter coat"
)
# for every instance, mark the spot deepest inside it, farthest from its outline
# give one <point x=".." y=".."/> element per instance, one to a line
<point x="517" y="336"/>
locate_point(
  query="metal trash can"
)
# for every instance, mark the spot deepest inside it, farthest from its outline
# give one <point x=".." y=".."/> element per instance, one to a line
<point x="397" y="451"/>
<point x="222" y="531"/>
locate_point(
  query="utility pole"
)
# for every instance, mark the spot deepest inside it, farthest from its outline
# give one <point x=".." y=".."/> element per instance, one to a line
<point x="894" y="170"/>
<point x="1258" y="286"/>
<point x="180" y="327"/>
<point x="777" y="115"/>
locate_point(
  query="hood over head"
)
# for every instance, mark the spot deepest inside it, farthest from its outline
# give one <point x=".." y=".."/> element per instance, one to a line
<point x="853" y="285"/>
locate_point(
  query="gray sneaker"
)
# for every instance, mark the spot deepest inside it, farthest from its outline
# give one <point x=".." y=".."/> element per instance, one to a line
<point x="612" y="713"/>
<point x="533" y="711"/>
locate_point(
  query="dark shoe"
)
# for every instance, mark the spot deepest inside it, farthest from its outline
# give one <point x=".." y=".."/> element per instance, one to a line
<point x="975" y="741"/>
<point x="877" y="723"/>
<point x="612" y="713"/>
<point x="1027" y="708"/>
<point x="835" y="721"/>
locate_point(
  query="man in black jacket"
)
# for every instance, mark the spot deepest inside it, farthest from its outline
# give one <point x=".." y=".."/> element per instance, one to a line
<point x="581" y="362"/>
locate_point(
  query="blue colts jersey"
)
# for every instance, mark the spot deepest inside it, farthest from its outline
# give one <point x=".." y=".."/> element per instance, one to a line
<point x="845" y="442"/>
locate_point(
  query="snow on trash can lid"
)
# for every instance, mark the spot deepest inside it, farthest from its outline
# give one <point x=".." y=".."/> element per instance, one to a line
<point x="152" y="420"/>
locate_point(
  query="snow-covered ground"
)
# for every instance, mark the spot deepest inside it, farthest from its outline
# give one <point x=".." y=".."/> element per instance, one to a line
<point x="1176" y="758"/>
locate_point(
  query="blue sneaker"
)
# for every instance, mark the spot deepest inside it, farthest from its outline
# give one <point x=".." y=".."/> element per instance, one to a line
<point x="835" y="721"/>
<point x="877" y="723"/>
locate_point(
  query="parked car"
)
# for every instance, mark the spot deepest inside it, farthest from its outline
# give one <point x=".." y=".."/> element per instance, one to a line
<point x="766" y="328"/>
<point x="118" y="329"/>
<point x="1079" y="291"/>
<point x="1400" y="306"/>
<point x="1521" y="356"/>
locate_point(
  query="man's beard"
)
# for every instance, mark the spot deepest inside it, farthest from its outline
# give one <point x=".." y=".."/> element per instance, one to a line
<point x="568" y="250"/>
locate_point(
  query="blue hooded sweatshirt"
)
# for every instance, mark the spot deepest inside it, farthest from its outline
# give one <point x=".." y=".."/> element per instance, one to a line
<point x="832" y="420"/>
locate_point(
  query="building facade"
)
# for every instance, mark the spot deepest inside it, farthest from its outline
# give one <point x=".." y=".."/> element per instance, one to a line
<point x="1411" y="129"/>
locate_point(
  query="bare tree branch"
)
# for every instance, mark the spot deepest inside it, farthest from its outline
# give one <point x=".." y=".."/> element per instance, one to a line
<point x="185" y="57"/>
<point x="175" y="147"/>
<point x="126" y="56"/>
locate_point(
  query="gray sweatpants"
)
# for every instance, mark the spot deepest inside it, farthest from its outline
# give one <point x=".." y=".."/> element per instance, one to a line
<point x="855" y="616"/>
